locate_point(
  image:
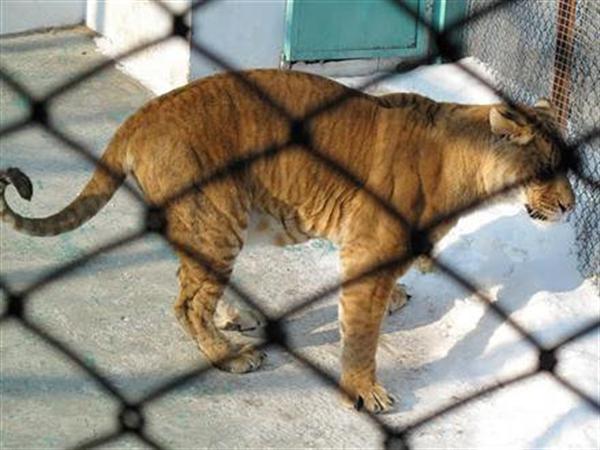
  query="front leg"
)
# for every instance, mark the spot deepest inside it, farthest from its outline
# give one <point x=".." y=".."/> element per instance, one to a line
<point x="362" y="307"/>
<point x="363" y="304"/>
<point x="424" y="263"/>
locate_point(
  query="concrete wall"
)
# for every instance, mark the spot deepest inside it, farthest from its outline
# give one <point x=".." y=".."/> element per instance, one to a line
<point x="125" y="24"/>
<point x="24" y="15"/>
<point x="246" y="33"/>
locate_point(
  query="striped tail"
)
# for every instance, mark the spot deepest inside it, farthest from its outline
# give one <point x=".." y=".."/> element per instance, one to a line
<point x="104" y="183"/>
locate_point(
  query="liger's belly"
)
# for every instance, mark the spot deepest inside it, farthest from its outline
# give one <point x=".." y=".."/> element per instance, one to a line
<point x="265" y="229"/>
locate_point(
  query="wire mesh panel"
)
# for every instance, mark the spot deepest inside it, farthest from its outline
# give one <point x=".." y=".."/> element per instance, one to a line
<point x="519" y="45"/>
<point x="131" y="418"/>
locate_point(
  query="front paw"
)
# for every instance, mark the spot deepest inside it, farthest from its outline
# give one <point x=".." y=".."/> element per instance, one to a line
<point x="425" y="264"/>
<point x="398" y="299"/>
<point x="368" y="395"/>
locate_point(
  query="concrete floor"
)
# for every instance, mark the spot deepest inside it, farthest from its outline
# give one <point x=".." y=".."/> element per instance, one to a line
<point x="116" y="311"/>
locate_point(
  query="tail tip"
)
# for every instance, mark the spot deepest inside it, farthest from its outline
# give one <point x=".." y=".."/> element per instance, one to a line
<point x="21" y="182"/>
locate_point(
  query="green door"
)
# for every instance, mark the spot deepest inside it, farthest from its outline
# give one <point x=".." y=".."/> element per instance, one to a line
<point x="344" y="29"/>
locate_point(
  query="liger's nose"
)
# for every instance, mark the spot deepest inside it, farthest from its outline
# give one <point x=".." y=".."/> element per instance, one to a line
<point x="565" y="206"/>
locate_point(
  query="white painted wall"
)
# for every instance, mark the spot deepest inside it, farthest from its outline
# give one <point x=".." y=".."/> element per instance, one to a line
<point x="25" y="15"/>
<point x="126" y="24"/>
<point x="246" y="33"/>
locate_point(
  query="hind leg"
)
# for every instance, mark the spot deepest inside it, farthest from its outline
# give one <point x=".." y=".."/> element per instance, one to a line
<point x="207" y="240"/>
<point x="200" y="290"/>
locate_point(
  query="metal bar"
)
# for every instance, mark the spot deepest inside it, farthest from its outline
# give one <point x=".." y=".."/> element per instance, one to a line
<point x="563" y="58"/>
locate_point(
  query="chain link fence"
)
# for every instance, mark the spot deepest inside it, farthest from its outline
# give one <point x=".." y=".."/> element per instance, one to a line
<point x="584" y="132"/>
<point x="519" y="45"/>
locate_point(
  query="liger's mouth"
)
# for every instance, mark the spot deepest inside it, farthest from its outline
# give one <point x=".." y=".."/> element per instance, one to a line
<point x="534" y="214"/>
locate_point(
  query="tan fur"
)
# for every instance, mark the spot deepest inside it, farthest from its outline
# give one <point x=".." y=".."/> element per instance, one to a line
<point x="425" y="159"/>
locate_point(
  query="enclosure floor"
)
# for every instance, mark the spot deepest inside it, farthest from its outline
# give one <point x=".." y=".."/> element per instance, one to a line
<point x="116" y="310"/>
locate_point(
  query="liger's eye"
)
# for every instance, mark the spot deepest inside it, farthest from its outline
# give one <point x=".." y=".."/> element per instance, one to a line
<point x="546" y="173"/>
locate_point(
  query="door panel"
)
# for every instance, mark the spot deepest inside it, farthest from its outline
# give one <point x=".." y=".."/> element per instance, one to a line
<point x="344" y="29"/>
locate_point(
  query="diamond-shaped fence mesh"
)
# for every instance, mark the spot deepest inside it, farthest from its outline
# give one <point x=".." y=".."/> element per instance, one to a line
<point x="514" y="33"/>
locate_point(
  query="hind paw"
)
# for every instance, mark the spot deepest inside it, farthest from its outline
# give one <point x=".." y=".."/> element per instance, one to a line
<point x="243" y="360"/>
<point x="231" y="318"/>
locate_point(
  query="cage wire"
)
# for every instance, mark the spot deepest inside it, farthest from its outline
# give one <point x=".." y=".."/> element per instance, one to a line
<point x="551" y="49"/>
<point x="501" y="22"/>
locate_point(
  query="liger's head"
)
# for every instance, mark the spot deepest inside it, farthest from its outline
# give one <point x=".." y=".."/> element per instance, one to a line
<point x="526" y="155"/>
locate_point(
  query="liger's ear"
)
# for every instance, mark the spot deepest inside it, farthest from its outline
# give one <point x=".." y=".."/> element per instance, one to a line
<point x="505" y="122"/>
<point x="545" y="108"/>
<point x="543" y="103"/>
